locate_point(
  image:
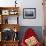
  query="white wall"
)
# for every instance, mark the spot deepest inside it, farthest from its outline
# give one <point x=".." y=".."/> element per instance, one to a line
<point x="39" y="13"/>
<point x="27" y="4"/>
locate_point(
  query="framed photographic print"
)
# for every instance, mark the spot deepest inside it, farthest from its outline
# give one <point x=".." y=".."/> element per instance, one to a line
<point x="5" y="12"/>
<point x="29" y="13"/>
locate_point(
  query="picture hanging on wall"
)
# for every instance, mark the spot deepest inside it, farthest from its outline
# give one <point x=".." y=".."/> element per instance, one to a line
<point x="29" y="13"/>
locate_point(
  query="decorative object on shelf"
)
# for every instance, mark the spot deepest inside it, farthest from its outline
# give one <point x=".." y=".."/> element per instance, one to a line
<point x="15" y="37"/>
<point x="13" y="12"/>
<point x="6" y="21"/>
<point x="5" y="12"/>
<point x="29" y="13"/>
<point x="15" y="34"/>
<point x="7" y="34"/>
<point x="15" y="3"/>
<point x="15" y="30"/>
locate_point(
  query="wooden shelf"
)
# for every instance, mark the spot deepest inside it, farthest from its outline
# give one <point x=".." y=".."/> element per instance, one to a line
<point x="11" y="26"/>
<point x="9" y="43"/>
<point x="9" y="8"/>
<point x="4" y="13"/>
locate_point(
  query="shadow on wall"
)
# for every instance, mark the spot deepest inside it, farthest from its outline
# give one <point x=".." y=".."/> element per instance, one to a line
<point x="37" y="29"/>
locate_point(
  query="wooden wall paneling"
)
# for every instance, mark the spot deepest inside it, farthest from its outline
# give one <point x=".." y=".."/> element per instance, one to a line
<point x="44" y="22"/>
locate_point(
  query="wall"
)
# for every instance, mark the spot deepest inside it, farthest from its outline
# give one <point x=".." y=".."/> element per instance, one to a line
<point x="39" y="13"/>
<point x="27" y="4"/>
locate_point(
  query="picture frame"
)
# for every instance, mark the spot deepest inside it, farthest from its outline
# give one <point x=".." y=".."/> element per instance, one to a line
<point x="5" y="12"/>
<point x="29" y="13"/>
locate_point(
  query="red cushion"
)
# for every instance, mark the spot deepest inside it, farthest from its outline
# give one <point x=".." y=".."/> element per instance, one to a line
<point x="29" y="33"/>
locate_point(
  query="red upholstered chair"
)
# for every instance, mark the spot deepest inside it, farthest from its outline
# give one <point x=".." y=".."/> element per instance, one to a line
<point x="29" y="33"/>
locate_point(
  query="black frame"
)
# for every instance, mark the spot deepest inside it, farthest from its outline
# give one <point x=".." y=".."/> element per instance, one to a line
<point x="29" y="13"/>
